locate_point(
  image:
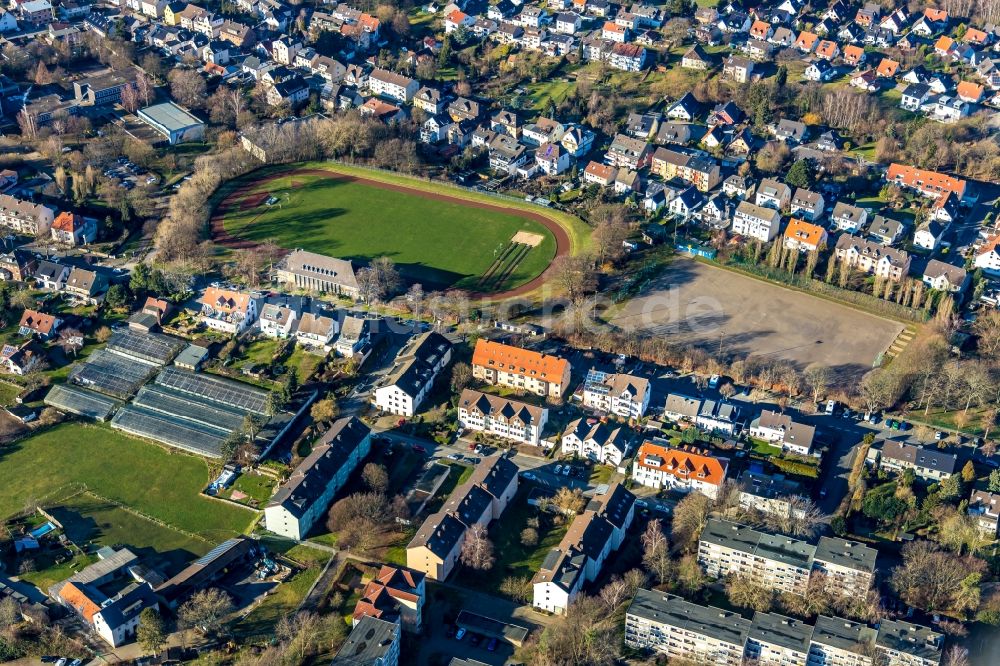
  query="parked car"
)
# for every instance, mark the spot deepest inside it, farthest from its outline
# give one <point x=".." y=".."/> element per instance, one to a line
<point x="419" y="449"/>
<point x="492" y="645"/>
<point x="713" y="382"/>
<point x="558" y="469"/>
<point x="939" y="435"/>
<point x="474" y="639"/>
<point x="831" y="406"/>
<point x="461" y="634"/>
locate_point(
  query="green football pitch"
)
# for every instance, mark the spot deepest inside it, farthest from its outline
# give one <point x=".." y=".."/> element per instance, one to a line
<point x="436" y="240"/>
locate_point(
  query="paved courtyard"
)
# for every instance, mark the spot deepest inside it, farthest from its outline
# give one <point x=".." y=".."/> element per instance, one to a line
<point x="715" y="309"/>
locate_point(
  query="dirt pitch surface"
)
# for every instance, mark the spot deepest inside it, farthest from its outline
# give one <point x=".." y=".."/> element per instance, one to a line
<point x="700" y="304"/>
<point x="237" y="200"/>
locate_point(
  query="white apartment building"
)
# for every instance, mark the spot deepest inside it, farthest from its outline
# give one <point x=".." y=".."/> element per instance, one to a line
<point x="669" y="625"/>
<point x="756" y="221"/>
<point x="777" y="640"/>
<point x="659" y="466"/>
<point x="395" y="86"/>
<point x="625" y="396"/>
<point x="509" y="419"/>
<point x="600" y="442"/>
<point x="775" y="561"/>
<point x="781" y="430"/>
<point x="416" y="367"/>
<point x="581" y="554"/>
<point x="784" y="563"/>
<point x="873" y="258"/>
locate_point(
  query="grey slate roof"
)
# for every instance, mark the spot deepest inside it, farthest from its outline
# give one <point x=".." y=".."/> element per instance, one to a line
<point x="310" y="478"/>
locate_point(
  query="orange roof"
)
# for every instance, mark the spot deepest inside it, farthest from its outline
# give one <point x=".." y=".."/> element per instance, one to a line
<point x="390" y="583"/>
<point x="944" y="43"/>
<point x="805" y="232"/>
<point x="515" y="360"/>
<point x="78" y="599"/>
<point x="369" y="22"/>
<point x="457" y="16"/>
<point x="990" y="246"/>
<point x="975" y="36"/>
<point x="936" y="15"/>
<point x="925" y="180"/>
<point x="806" y="40"/>
<point x="827" y="48"/>
<point x="68" y="222"/>
<point x="225" y="300"/>
<point x="38" y="321"/>
<point x="602" y="171"/>
<point x="611" y="26"/>
<point x="887" y="68"/>
<point x="969" y="90"/>
<point x="680" y="463"/>
<point x="853" y="53"/>
<point x="760" y="28"/>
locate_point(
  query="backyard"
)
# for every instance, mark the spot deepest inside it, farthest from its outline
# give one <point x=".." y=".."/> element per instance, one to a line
<point x="513" y="558"/>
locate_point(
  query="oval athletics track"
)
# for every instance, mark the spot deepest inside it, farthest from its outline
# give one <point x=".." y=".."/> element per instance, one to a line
<point x="236" y="199"/>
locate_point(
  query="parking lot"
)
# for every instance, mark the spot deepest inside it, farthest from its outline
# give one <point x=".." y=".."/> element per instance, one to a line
<point x="129" y="175"/>
<point x="722" y="311"/>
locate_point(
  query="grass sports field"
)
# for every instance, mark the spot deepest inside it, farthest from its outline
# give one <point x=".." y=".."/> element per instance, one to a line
<point x="436" y="239"/>
<point x="55" y="464"/>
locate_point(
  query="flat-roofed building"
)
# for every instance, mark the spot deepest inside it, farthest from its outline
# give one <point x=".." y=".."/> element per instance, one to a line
<point x="777" y="640"/>
<point x="849" y="565"/>
<point x="905" y="644"/>
<point x="305" y="496"/>
<point x="778" y="562"/>
<point x="177" y="124"/>
<point x="784" y="563"/>
<point x="667" y="624"/>
<point x="840" y="642"/>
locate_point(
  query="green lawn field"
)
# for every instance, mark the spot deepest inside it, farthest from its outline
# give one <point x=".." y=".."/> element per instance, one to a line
<point x="437" y="243"/>
<point x="51" y="466"/>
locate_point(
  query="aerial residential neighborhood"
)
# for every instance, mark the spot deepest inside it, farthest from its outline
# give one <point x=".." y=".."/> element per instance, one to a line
<point x="556" y="332"/>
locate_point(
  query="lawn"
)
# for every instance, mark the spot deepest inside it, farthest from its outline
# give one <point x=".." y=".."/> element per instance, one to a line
<point x="147" y="478"/>
<point x="438" y="243"/>
<point x="258" y="487"/>
<point x="512" y="557"/>
<point x="89" y="520"/>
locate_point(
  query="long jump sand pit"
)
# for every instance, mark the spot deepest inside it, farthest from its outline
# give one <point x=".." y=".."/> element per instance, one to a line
<point x="713" y="308"/>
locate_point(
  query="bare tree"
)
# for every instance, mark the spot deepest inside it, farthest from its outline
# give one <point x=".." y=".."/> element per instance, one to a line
<point x="568" y="500"/>
<point x="615" y="593"/>
<point x="205" y="611"/>
<point x="518" y="588"/>
<point x="575" y="275"/>
<point x="656" y="552"/>
<point x="188" y="87"/>
<point x="818" y="379"/>
<point x="477" y="549"/>
<point x="144" y="88"/>
<point x="690" y="516"/>
<point x="746" y="592"/>
<point x="375" y="477"/>
<point x="130" y="98"/>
